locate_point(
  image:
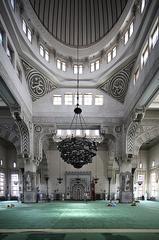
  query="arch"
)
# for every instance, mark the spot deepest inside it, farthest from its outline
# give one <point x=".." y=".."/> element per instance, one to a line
<point x="24" y="135"/>
<point x="130" y="138"/>
<point x="144" y="137"/>
<point x="11" y="135"/>
<point x="41" y="134"/>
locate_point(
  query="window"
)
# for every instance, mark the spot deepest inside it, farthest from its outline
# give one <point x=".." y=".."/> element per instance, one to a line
<point x="1" y="37"/>
<point x="77" y="69"/>
<point x="144" y="56"/>
<point x="14" y="185"/>
<point x="99" y="100"/>
<point x="153" y="163"/>
<point x="97" y="65"/>
<point x="29" y="35"/>
<point x="79" y="99"/>
<point x="154" y="35"/>
<point x="136" y="76"/>
<point x="78" y="132"/>
<point x="140" y="165"/>
<point x="14" y="164"/>
<point x="140" y="186"/>
<point x="2" y="184"/>
<point x="61" y="65"/>
<point x="24" y="26"/>
<point x="10" y="53"/>
<point x="126" y="37"/>
<point x="44" y="53"/>
<point x="69" y="132"/>
<point x="27" y="30"/>
<point x="114" y="52"/>
<point x="128" y="33"/>
<point x="47" y="56"/>
<point x="68" y="99"/>
<point x="96" y="132"/>
<point x="59" y="132"/>
<point x="87" y="132"/>
<point x="131" y="29"/>
<point x="94" y="66"/>
<point x="80" y="67"/>
<point x="57" y="100"/>
<point x="41" y="51"/>
<point x="153" y="185"/>
<point x="58" y="64"/>
<point x="109" y="57"/>
<point x="143" y="5"/>
<point x="12" y="3"/>
<point x="19" y="73"/>
<point x="88" y="99"/>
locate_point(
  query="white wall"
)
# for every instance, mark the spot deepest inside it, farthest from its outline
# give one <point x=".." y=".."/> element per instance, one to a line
<point x="154" y="156"/>
<point x="2" y="154"/>
<point x="97" y="167"/>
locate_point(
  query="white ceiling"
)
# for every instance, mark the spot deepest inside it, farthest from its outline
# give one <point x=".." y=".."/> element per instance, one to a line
<point x="2" y="103"/>
<point x="155" y="103"/>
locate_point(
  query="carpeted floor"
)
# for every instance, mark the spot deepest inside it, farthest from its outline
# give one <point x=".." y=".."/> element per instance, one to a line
<point x="79" y="236"/>
<point x="79" y="221"/>
<point x="79" y="215"/>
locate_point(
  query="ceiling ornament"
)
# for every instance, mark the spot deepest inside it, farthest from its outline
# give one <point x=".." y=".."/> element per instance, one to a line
<point x="89" y="20"/>
<point x="38" y="84"/>
<point x="117" y="85"/>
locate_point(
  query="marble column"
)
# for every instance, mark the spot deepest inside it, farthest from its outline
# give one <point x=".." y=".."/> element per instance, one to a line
<point x="125" y="178"/>
<point x="30" y="186"/>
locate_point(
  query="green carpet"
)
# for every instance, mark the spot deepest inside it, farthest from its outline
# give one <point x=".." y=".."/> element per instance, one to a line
<point x="79" y="215"/>
<point x="80" y="236"/>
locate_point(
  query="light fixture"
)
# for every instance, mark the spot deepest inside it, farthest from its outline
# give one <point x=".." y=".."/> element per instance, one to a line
<point x="77" y="149"/>
<point x="59" y="179"/>
<point x="95" y="179"/>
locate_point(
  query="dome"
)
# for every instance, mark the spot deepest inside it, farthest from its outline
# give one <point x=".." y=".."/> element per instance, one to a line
<point x="78" y="22"/>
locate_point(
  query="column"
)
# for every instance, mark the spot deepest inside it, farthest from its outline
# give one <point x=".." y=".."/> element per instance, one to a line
<point x="127" y="170"/>
<point x="30" y="192"/>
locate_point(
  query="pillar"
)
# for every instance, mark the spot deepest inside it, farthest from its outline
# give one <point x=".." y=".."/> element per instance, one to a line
<point x="125" y="178"/>
<point x="30" y="185"/>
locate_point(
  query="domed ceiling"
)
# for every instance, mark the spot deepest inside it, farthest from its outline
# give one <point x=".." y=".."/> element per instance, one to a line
<point x="78" y="22"/>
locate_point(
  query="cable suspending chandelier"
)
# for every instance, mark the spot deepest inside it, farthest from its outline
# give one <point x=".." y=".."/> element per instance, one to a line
<point x="77" y="150"/>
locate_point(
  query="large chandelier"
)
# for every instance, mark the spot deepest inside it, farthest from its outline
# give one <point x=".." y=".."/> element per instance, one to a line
<point x="77" y="150"/>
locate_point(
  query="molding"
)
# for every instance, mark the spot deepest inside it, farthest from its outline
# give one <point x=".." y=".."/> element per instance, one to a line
<point x="137" y="117"/>
<point x="146" y="133"/>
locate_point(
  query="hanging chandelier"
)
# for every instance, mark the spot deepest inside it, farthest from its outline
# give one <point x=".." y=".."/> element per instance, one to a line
<point x="77" y="150"/>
